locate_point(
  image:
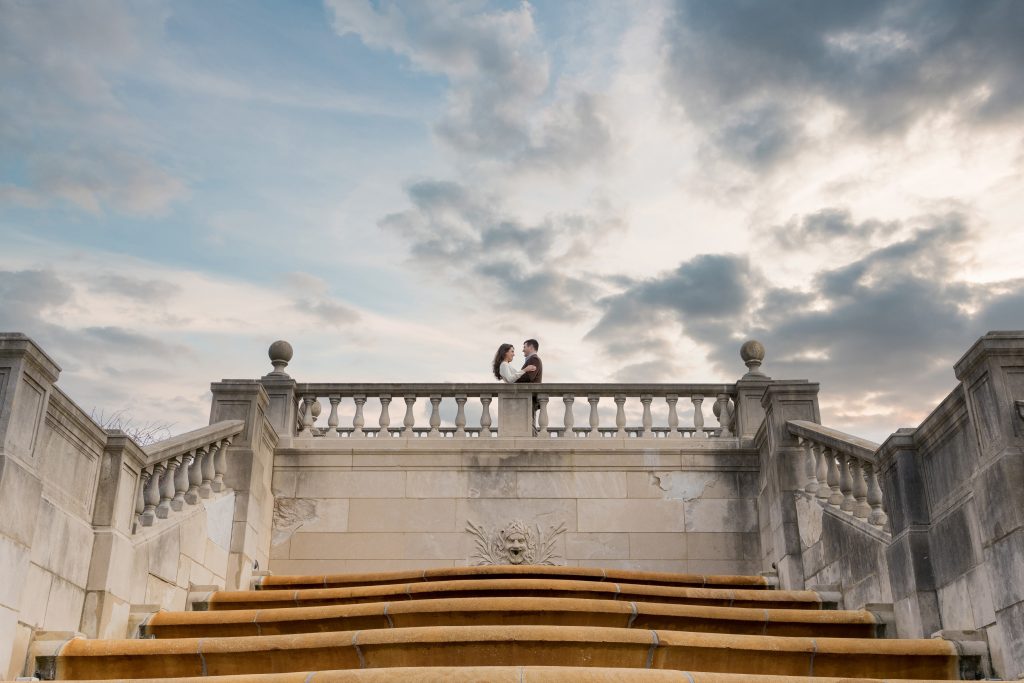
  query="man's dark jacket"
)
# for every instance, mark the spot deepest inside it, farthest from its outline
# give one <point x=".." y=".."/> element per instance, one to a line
<point x="535" y="376"/>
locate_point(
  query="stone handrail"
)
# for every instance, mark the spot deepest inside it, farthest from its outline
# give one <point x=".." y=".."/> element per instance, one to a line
<point x="539" y="395"/>
<point x="183" y="469"/>
<point x="841" y="470"/>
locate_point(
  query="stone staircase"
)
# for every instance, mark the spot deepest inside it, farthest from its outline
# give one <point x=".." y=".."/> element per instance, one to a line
<point x="514" y="623"/>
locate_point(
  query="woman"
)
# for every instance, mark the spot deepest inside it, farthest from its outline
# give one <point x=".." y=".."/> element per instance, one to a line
<point x="502" y="365"/>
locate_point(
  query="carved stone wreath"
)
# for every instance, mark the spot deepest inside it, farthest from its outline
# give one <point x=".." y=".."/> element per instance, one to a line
<point x="516" y="543"/>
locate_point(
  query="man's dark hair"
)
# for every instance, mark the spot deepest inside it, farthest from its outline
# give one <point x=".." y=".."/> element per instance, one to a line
<point x="533" y="343"/>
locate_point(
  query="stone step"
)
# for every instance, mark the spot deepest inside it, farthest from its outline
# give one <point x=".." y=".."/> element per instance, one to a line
<point x="512" y="572"/>
<point x="509" y="645"/>
<point x="497" y="587"/>
<point x="515" y="610"/>
<point x="522" y="674"/>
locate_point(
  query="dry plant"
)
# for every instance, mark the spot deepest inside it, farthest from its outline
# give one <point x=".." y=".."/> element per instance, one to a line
<point x="142" y="433"/>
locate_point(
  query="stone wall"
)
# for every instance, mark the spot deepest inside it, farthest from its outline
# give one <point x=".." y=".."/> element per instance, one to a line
<point x="413" y="503"/>
<point x="72" y="556"/>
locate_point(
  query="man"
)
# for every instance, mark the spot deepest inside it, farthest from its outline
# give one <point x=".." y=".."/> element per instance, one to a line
<point x="530" y="348"/>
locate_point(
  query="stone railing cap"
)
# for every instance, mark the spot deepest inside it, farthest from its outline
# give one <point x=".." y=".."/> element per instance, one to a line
<point x="18" y="342"/>
<point x="196" y="438"/>
<point x="998" y="342"/>
<point x="834" y="439"/>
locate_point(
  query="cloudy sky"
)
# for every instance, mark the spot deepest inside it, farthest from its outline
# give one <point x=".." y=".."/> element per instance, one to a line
<point x="398" y="187"/>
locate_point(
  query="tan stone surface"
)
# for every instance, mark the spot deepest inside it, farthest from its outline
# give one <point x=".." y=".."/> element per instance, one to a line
<point x="658" y="546"/>
<point x="592" y="546"/>
<point x="571" y="485"/>
<point x="631" y="515"/>
<point x="389" y="546"/>
<point x="335" y="483"/>
<point x="402" y="514"/>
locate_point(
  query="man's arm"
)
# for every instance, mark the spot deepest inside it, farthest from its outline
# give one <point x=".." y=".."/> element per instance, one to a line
<point x="527" y="376"/>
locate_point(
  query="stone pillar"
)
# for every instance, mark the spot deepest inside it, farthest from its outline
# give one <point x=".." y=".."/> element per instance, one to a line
<point x="27" y="376"/>
<point x="280" y="389"/>
<point x="515" y="414"/>
<point x="249" y="474"/>
<point x="749" y="391"/>
<point x="992" y="375"/>
<point x="911" y="577"/>
<point x="108" y="591"/>
<point x="783" y="468"/>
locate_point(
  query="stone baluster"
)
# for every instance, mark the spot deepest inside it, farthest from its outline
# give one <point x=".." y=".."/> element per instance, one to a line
<point x="569" y="421"/>
<point x="163" y="508"/>
<point x="542" y="415"/>
<point x="877" y="516"/>
<point x="435" y="416"/>
<point x="673" y="417"/>
<point x="181" y="481"/>
<point x="485" y="415"/>
<point x="332" y="419"/>
<point x="410" y="420"/>
<point x="723" y="411"/>
<point x="385" y="417"/>
<point x="811" y="466"/>
<point x="846" y="483"/>
<point x="620" y="416"/>
<point x="208" y="472"/>
<point x="647" y="421"/>
<point x="358" y="421"/>
<point x="698" y="417"/>
<point x="861" y="509"/>
<point x="822" y="474"/>
<point x="220" y="465"/>
<point x="595" y="420"/>
<point x="195" y="476"/>
<point x="140" y="494"/>
<point x="307" y="416"/>
<point x="152" y="498"/>
<point x="836" y="497"/>
<point x="460" y="416"/>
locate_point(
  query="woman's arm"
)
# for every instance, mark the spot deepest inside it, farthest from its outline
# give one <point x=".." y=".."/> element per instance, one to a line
<point x="508" y="374"/>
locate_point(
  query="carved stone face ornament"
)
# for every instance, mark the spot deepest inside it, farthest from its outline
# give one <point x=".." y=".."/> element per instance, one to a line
<point x="516" y="544"/>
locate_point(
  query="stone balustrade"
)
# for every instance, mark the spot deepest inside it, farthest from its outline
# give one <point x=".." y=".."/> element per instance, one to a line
<point x="183" y="470"/>
<point x="501" y="405"/>
<point x="841" y="470"/>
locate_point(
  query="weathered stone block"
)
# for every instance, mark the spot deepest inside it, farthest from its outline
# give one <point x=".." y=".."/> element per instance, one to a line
<point x="350" y="484"/>
<point x="1006" y="570"/>
<point x="658" y="546"/>
<point x="594" y="546"/>
<point x="571" y="484"/>
<point x="8" y="628"/>
<point x="722" y="546"/>
<point x="954" y="545"/>
<point x="735" y="514"/>
<point x="64" y="606"/>
<point x="1011" y="623"/>
<point x="401" y="514"/>
<point x="631" y="515"/>
<point x="997" y="496"/>
<point x="14" y="560"/>
<point x="497" y="512"/>
<point x="20" y="491"/>
<point x="979" y="588"/>
<point x="162" y="554"/>
<point x="955" y="603"/>
<point x="483" y="483"/>
<point x="435" y="484"/>
<point x="35" y="594"/>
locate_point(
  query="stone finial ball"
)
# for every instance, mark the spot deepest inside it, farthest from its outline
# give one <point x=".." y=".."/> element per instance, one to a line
<point x="752" y="350"/>
<point x="280" y="351"/>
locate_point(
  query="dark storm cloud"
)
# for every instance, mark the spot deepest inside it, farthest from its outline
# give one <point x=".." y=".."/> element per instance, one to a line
<point x="451" y="230"/>
<point x="890" y="324"/>
<point x="752" y="73"/>
<point x="830" y="225"/>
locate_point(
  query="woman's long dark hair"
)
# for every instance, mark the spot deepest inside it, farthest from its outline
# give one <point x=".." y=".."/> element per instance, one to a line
<point x="498" y="357"/>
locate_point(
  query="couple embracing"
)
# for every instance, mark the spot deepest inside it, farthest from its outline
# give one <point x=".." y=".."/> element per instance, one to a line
<point x="531" y="371"/>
